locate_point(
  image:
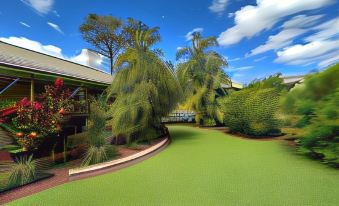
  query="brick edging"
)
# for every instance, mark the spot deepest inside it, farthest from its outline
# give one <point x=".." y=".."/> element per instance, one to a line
<point x="117" y="162"/>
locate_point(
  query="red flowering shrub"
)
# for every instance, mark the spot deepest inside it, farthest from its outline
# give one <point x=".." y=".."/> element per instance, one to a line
<point x="38" y="119"/>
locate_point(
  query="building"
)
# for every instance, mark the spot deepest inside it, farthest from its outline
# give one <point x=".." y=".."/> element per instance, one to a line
<point x="23" y="73"/>
<point x="291" y="81"/>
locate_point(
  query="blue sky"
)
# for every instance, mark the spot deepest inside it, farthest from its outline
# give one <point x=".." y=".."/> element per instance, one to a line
<point x="258" y="38"/>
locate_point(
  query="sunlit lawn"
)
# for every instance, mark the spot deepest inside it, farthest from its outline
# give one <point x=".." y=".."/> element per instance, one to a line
<point x="206" y="167"/>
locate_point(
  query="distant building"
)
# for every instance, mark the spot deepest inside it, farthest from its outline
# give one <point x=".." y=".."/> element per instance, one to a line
<point x="293" y="80"/>
<point x="232" y="85"/>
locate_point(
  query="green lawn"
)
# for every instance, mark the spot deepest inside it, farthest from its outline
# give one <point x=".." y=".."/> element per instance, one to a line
<point x="205" y="167"/>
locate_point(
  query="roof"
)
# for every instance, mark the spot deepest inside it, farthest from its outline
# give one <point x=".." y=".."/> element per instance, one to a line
<point x="293" y="79"/>
<point x="234" y="85"/>
<point x="14" y="56"/>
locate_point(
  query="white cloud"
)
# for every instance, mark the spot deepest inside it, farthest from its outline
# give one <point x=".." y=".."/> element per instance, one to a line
<point x="89" y="58"/>
<point x="280" y="40"/>
<point x="307" y="53"/>
<point x="218" y="6"/>
<point x="232" y="60"/>
<point x="292" y="28"/>
<point x="327" y="30"/>
<point x="329" y="61"/>
<point x="25" y="24"/>
<point x="302" y="21"/>
<point x="86" y="57"/>
<point x="237" y="69"/>
<point x="56" y="27"/>
<point x="33" y="45"/>
<point x="321" y="47"/>
<point x="189" y="35"/>
<point x="260" y="59"/>
<point x="251" y="20"/>
<point x="56" y="13"/>
<point x="40" y="6"/>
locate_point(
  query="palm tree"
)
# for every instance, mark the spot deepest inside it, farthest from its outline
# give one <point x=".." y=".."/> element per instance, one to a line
<point x="145" y="88"/>
<point x="200" y="73"/>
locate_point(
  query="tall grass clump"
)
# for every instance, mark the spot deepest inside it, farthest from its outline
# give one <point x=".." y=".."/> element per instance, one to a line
<point x="99" y="150"/>
<point x="23" y="171"/>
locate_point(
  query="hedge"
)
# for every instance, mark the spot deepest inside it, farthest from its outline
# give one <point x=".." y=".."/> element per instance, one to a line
<point x="252" y="111"/>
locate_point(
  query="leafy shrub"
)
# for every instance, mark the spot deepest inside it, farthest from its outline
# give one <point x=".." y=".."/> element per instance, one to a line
<point x="99" y="150"/>
<point x="252" y="111"/>
<point x="5" y="103"/>
<point x="36" y="120"/>
<point x="98" y="154"/>
<point x="23" y="172"/>
<point x="317" y="102"/>
<point x="209" y="122"/>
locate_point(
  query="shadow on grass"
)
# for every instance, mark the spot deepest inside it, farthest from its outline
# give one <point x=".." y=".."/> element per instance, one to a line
<point x="183" y="134"/>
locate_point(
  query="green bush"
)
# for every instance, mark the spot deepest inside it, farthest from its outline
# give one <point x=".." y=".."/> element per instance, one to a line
<point x="209" y="122"/>
<point x="98" y="150"/>
<point x="317" y="102"/>
<point x="98" y="154"/>
<point x="23" y="172"/>
<point x="252" y="111"/>
<point x="5" y="103"/>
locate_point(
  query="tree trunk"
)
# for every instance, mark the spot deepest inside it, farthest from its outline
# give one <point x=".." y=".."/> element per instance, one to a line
<point x="111" y="63"/>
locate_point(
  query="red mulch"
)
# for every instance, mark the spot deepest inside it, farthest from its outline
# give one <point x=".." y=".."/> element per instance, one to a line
<point x="61" y="175"/>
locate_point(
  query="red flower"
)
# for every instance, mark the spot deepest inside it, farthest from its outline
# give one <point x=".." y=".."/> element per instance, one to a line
<point x="37" y="106"/>
<point x="24" y="102"/>
<point x="62" y="111"/>
<point x="32" y="135"/>
<point x="58" y="83"/>
<point x="19" y="134"/>
<point x="7" y="111"/>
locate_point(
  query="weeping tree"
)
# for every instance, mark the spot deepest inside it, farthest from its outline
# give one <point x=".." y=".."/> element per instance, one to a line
<point x="145" y="88"/>
<point x="201" y="74"/>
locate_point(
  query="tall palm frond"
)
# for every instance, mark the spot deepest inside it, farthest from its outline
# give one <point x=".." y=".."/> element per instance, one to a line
<point x="146" y="88"/>
<point x="201" y="74"/>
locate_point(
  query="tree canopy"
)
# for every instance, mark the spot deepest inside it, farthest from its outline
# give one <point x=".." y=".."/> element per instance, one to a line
<point x="106" y="34"/>
<point x="200" y="73"/>
<point x="145" y="87"/>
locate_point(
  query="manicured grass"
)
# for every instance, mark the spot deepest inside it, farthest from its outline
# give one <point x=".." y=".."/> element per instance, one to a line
<point x="205" y="167"/>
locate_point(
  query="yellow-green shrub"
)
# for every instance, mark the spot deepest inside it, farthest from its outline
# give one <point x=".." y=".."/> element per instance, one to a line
<point x="252" y="111"/>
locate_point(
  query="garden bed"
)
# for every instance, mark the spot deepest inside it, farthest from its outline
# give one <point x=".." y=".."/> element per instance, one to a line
<point x="61" y="172"/>
<point x="126" y="155"/>
<point x="39" y="177"/>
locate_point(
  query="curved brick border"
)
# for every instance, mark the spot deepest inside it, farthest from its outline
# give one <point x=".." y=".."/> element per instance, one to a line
<point x="82" y="171"/>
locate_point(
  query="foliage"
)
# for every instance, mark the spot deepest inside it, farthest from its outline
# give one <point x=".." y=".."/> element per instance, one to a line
<point x="35" y="120"/>
<point x="145" y="88"/>
<point x="272" y="81"/>
<point x="252" y="111"/>
<point x="98" y="149"/>
<point x="106" y="34"/>
<point x="7" y="103"/>
<point x="217" y="169"/>
<point x="23" y="172"/>
<point x="200" y="74"/>
<point x="317" y="103"/>
<point x="98" y="154"/>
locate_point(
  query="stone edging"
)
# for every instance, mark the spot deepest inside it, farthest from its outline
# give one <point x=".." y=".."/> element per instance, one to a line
<point x="104" y="165"/>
